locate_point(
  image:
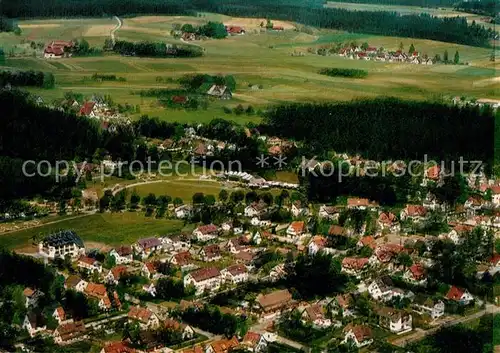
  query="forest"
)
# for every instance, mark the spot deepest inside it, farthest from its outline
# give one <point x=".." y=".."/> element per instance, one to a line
<point x="387" y="128"/>
<point x="421" y="3"/>
<point x="447" y="29"/>
<point x="7" y="25"/>
<point x="27" y="78"/>
<point x="488" y="8"/>
<point x="159" y="50"/>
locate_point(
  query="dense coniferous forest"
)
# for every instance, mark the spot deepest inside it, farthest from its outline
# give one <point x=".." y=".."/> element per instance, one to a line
<point x="488" y="8"/>
<point x="423" y="3"/>
<point x="455" y="30"/>
<point x="27" y="78"/>
<point x="161" y="50"/>
<point x="388" y="128"/>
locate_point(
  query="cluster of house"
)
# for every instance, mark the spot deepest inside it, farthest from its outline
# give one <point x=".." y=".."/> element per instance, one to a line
<point x="57" y="49"/>
<point x="372" y="53"/>
<point x="481" y="102"/>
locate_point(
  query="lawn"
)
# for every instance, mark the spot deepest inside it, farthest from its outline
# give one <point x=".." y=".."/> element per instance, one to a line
<point x="109" y="228"/>
<point x="182" y="189"/>
<point x="258" y="58"/>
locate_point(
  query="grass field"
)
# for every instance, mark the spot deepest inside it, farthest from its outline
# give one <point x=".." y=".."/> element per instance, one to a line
<point x="110" y="229"/>
<point x="258" y="58"/>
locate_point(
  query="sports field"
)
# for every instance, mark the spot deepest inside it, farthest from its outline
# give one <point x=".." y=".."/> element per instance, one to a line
<point x="109" y="229"/>
<point x="257" y="58"/>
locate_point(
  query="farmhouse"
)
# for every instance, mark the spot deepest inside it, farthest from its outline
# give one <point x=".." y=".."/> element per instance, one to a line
<point x="89" y="109"/>
<point x="235" y="30"/>
<point x="220" y="92"/>
<point x="62" y="244"/>
<point x="58" y="49"/>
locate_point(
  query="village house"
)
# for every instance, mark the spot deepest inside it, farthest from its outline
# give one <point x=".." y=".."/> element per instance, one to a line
<point x="98" y="291"/>
<point x="416" y="275"/>
<point x="211" y="253"/>
<point x="34" y="324"/>
<point x="76" y="283"/>
<point x="183" y="259"/>
<point x="244" y="257"/>
<point x="359" y="334"/>
<point x="256" y="209"/>
<point x="474" y="203"/>
<point x="315" y="314"/>
<point x="386" y="253"/>
<point x="235" y="30"/>
<point x="235" y="274"/>
<point x="183" y="211"/>
<point x="360" y="204"/>
<point x="69" y="332"/>
<point x="176" y="243"/>
<point x="208" y="278"/>
<point x="59" y="315"/>
<point x="223" y="345"/>
<point x="415" y="213"/>
<point x="206" y="232"/>
<point x="459" y="295"/>
<point x="331" y="213"/>
<point x="368" y="241"/>
<point x="113" y="276"/>
<point x="186" y="330"/>
<point x="122" y="254"/>
<point x="57" y="49"/>
<point x="433" y="174"/>
<point x="343" y="304"/>
<point x="317" y="244"/>
<point x="277" y="272"/>
<point x="89" y="109"/>
<point x="149" y="270"/>
<point x="274" y="303"/>
<point x="31" y="297"/>
<point x="254" y="342"/>
<point x="62" y="244"/>
<point x="298" y="209"/>
<point x="148" y="246"/>
<point x="235" y="245"/>
<point x="396" y="321"/>
<point x="354" y="266"/>
<point x="150" y="288"/>
<point x="383" y="289"/>
<point x="117" y="347"/>
<point x="220" y="92"/>
<point x="457" y="234"/>
<point x="426" y="305"/>
<point x="144" y="317"/>
<point x="388" y="221"/>
<point x="336" y="230"/>
<point x="296" y="228"/>
<point x="89" y="264"/>
<point x="194" y="349"/>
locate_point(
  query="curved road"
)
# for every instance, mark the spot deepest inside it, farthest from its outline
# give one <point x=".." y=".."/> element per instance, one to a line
<point x="118" y="26"/>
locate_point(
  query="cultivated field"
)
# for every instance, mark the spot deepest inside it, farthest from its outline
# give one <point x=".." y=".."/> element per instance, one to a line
<point x="257" y="58"/>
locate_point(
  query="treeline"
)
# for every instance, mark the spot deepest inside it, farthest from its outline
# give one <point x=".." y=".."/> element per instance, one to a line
<point x="7" y="25"/>
<point x="27" y="78"/>
<point x="421" y="3"/>
<point x="159" y="50"/>
<point x="354" y="73"/>
<point x="488" y="8"/>
<point x="211" y="29"/>
<point x="386" y="128"/>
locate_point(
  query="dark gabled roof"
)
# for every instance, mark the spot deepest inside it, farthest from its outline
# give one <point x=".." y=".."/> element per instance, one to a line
<point x="63" y="237"/>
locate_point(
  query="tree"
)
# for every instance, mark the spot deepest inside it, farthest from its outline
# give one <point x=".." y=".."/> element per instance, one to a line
<point x="404" y="259"/>
<point x="437" y="58"/>
<point x="412" y="49"/>
<point x="209" y="200"/>
<point x="365" y="46"/>
<point x="150" y="200"/>
<point x="178" y="201"/>
<point x="223" y="195"/>
<point x="134" y="200"/>
<point x="109" y="261"/>
<point x="401" y="46"/>
<point x="188" y="28"/>
<point x="2" y="56"/>
<point x="132" y="331"/>
<point x="250" y="197"/>
<point x="445" y="57"/>
<point x="456" y="59"/>
<point x="237" y="196"/>
<point x="48" y="80"/>
<point x="198" y="198"/>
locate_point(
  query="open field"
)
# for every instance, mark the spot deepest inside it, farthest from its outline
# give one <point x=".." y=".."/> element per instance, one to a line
<point x="258" y="58"/>
<point x="108" y="228"/>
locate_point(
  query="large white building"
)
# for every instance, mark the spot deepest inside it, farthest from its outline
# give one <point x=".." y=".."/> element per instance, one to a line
<point x="62" y="244"/>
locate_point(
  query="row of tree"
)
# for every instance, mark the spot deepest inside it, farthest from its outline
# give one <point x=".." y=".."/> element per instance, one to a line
<point x="339" y="72"/>
<point x="211" y="29"/>
<point x="27" y="78"/>
<point x="159" y="50"/>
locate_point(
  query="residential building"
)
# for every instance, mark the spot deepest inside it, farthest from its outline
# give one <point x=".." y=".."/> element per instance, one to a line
<point x="122" y="254"/>
<point x="256" y="209"/>
<point x="89" y="264"/>
<point x="146" y="247"/>
<point x="220" y="92"/>
<point x="317" y="243"/>
<point x="274" y="303"/>
<point x="235" y="245"/>
<point x="206" y="232"/>
<point x="298" y="209"/>
<point x="331" y="213"/>
<point x="211" y="253"/>
<point x="315" y="314"/>
<point x="460" y="295"/>
<point x="254" y="342"/>
<point x="183" y="259"/>
<point x="144" y="317"/>
<point x="396" y="321"/>
<point x="368" y="241"/>
<point x="183" y="211"/>
<point x="76" y="283"/>
<point x="150" y="289"/>
<point x="98" y="291"/>
<point x="208" y="278"/>
<point x="187" y="331"/>
<point x="360" y="203"/>
<point x="113" y="276"/>
<point x="117" y="347"/>
<point x="415" y="213"/>
<point x="31" y="297"/>
<point x="62" y="244"/>
<point x="296" y="228"/>
<point x="222" y="346"/>
<point x="149" y="270"/>
<point x="33" y="323"/>
<point x="388" y="221"/>
<point x="426" y="305"/>
<point x="69" y="332"/>
<point x="59" y="314"/>
<point x="336" y="230"/>
<point x="383" y="289"/>
<point x="361" y="335"/>
<point x="416" y="274"/>
<point x="235" y="274"/>
<point x="354" y="266"/>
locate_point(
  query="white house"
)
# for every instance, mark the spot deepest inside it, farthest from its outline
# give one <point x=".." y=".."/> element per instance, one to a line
<point x="460" y="295"/>
<point x="146" y="247"/>
<point x="113" y="276"/>
<point x="122" y="255"/>
<point x="33" y="324"/>
<point x="235" y="274"/>
<point x="211" y="253"/>
<point x="206" y="232"/>
<point x="329" y="212"/>
<point x="316" y="244"/>
<point x="298" y="209"/>
<point x="383" y="289"/>
<point x="69" y="332"/>
<point x="186" y="330"/>
<point x="59" y="314"/>
<point x="208" y="278"/>
<point x="150" y="289"/>
<point x="31" y="296"/>
<point x="359" y="334"/>
<point x="183" y="211"/>
<point x="426" y="305"/>
<point x="62" y="244"/>
<point x="254" y="342"/>
<point x="255" y="209"/>
<point x="76" y="283"/>
<point x="89" y="264"/>
<point x="316" y="315"/>
<point x="396" y="321"/>
<point x="296" y="228"/>
<point x="145" y="317"/>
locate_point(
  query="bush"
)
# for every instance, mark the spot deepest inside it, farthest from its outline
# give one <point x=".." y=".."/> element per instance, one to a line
<point x="353" y="73"/>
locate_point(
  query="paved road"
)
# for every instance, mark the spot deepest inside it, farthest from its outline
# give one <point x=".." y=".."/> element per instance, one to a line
<point x="93" y="324"/>
<point x="118" y="26"/>
<point x="419" y="334"/>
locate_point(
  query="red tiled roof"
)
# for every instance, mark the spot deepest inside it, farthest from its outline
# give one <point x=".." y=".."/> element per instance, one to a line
<point x="251" y="337"/>
<point x="179" y="99"/>
<point x="237" y="269"/>
<point x="336" y="230"/>
<point x="415" y="210"/>
<point x="298" y="226"/>
<point x="117" y="271"/>
<point x="61" y="313"/>
<point x="433" y="172"/>
<point x="141" y="314"/>
<point x="319" y="240"/>
<point x="368" y="241"/>
<point x="495" y="259"/>
<point x="150" y="266"/>
<point x="87" y="260"/>
<point x="87" y="108"/>
<point x="207" y="229"/>
<point x="183" y="258"/>
<point x="387" y="218"/>
<point x="360" y="331"/>
<point x="205" y="273"/>
<point x="195" y="349"/>
<point x="235" y="29"/>
<point x="118" y="347"/>
<point x="71" y="330"/>
<point x="96" y="290"/>
<point x="417" y="271"/>
<point x="124" y="250"/>
<point x="455" y="293"/>
<point x="354" y="263"/>
<point x="224" y="345"/>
